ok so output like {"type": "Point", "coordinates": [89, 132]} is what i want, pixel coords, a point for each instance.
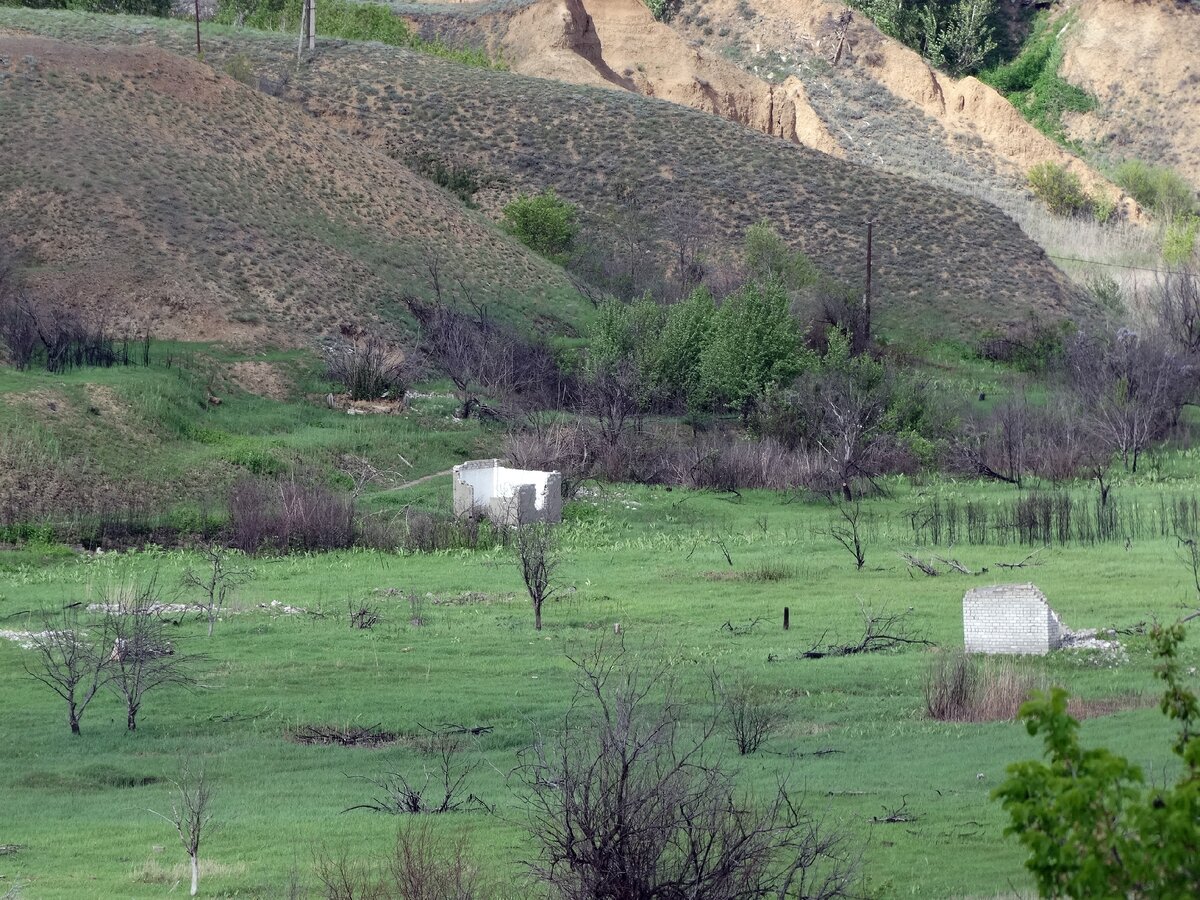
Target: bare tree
{"type": "Point", "coordinates": [71, 661]}
{"type": "Point", "coordinates": [847, 529]}
{"type": "Point", "coordinates": [537, 555]}
{"type": "Point", "coordinates": [142, 659]}
{"type": "Point", "coordinates": [1131, 390]}
{"type": "Point", "coordinates": [1175, 304]}
{"type": "Point", "coordinates": [397, 793]}
{"type": "Point", "coordinates": [624, 803]}
{"type": "Point", "coordinates": [190, 815]}
{"type": "Point", "coordinates": [217, 581]}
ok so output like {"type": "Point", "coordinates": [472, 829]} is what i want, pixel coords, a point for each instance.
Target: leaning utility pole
{"type": "Point", "coordinates": [199, 52]}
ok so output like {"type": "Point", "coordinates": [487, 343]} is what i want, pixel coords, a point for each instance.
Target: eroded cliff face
{"type": "Point", "coordinates": [1142, 62]}
{"type": "Point", "coordinates": [618, 44]}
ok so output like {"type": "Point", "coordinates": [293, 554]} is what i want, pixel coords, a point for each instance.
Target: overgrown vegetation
{"type": "Point", "coordinates": [955, 35]}
{"type": "Point", "coordinates": [343, 19]}
{"type": "Point", "coordinates": [1032, 84]}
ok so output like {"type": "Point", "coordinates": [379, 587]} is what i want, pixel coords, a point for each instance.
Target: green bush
{"type": "Point", "coordinates": [1091, 826]}
{"type": "Point", "coordinates": [1059, 188]}
{"type": "Point", "coordinates": [663, 10]}
{"type": "Point", "coordinates": [767, 256]}
{"type": "Point", "coordinates": [545, 223]}
{"type": "Point", "coordinates": [1179, 242]}
{"type": "Point", "coordinates": [1158, 189]}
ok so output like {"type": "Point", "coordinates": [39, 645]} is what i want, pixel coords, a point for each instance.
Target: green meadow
{"type": "Point", "coordinates": [697, 581]}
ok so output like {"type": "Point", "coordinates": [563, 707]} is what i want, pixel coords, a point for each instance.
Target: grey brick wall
{"type": "Point", "coordinates": [1009, 618]}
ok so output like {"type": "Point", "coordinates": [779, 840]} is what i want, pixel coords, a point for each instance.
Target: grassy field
{"type": "Point", "coordinates": [856, 737]}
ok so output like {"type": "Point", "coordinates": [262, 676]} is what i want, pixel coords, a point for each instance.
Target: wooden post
{"type": "Point", "coordinates": [198, 51]}
{"type": "Point", "coordinates": [312, 23]}
{"type": "Point", "coordinates": [787, 617]}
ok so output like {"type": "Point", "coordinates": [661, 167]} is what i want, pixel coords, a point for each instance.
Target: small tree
{"type": "Point", "coordinates": [190, 815]}
{"type": "Point", "coordinates": [847, 529]}
{"type": "Point", "coordinates": [537, 555]}
{"type": "Point", "coordinates": [142, 658]}
{"type": "Point", "coordinates": [1091, 827]}
{"type": "Point", "coordinates": [71, 661]}
{"type": "Point", "coordinates": [545, 223]}
{"type": "Point", "coordinates": [216, 581]}
{"type": "Point", "coordinates": [369, 371]}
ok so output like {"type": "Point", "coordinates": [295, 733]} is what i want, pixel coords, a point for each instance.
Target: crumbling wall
{"type": "Point", "coordinates": [1010, 618]}
{"type": "Point", "coordinates": [507, 496]}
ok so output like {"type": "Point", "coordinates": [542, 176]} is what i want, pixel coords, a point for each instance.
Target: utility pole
{"type": "Point", "coordinates": [199, 52]}
{"type": "Point", "coordinates": [863, 339]}
{"type": "Point", "coordinates": [308, 27]}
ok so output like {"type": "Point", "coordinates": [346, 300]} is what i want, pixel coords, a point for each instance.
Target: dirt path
{"type": "Point", "coordinates": [416, 481]}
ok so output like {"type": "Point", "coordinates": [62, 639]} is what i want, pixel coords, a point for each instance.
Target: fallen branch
{"type": "Point", "coordinates": [882, 631]}
{"type": "Point", "coordinates": [915, 563]}
{"type": "Point", "coordinates": [1027, 561]}
{"type": "Point", "coordinates": [958, 567]}
{"type": "Point", "coordinates": [895, 816]}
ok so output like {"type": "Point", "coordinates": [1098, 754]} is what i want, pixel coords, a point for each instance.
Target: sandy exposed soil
{"type": "Point", "coordinates": [1142, 61]}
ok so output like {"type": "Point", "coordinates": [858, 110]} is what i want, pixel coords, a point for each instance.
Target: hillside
{"type": "Point", "coordinates": [939, 256]}
{"type": "Point", "coordinates": [811, 71]}
{"type": "Point", "coordinates": [169, 196]}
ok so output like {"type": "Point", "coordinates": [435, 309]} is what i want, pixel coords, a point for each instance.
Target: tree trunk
{"type": "Point", "coordinates": [211, 618]}
{"type": "Point", "coordinates": [537, 616]}
{"type": "Point", "coordinates": [195, 875]}
{"type": "Point", "coordinates": [73, 718]}
{"type": "Point", "coordinates": [131, 718]}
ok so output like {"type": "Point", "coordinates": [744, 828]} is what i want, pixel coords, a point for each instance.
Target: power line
{"type": "Point", "coordinates": [1096, 262]}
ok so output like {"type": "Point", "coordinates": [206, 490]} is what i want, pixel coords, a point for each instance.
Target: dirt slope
{"type": "Point", "coordinates": [845, 64]}
{"type": "Point", "coordinates": [145, 184]}
{"type": "Point", "coordinates": [1142, 61]}
{"type": "Point", "coordinates": [618, 43]}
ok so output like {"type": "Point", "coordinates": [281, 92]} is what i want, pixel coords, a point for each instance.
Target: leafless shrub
{"type": "Point", "coordinates": [1174, 301]}
{"type": "Point", "coordinates": [425, 531]}
{"type": "Point", "coordinates": [749, 717]}
{"type": "Point", "coordinates": [552, 445]}
{"type": "Point", "coordinates": [343, 735]}
{"type": "Point", "coordinates": [538, 556]}
{"type": "Point", "coordinates": [726, 463]}
{"type": "Point", "coordinates": [288, 515]}
{"type": "Point", "coordinates": [372, 370]}
{"type": "Point", "coordinates": [441, 790]}
{"type": "Point", "coordinates": [70, 659]}
{"type": "Point", "coordinates": [848, 529]}
{"type": "Point", "coordinates": [422, 867]}
{"type": "Point", "coordinates": [623, 803]}
{"type": "Point", "coordinates": [362, 616]}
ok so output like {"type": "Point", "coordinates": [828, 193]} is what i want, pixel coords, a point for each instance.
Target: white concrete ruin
{"type": "Point", "coordinates": [1010, 618]}
{"type": "Point", "coordinates": [483, 487]}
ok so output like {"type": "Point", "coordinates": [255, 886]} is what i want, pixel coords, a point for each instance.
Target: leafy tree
{"type": "Point", "coordinates": [1091, 826]}
{"type": "Point", "coordinates": [767, 256]}
{"type": "Point", "coordinates": [545, 223]}
{"type": "Point", "coordinates": [681, 345]}
{"type": "Point", "coordinates": [955, 35]}
{"type": "Point", "coordinates": [754, 342]}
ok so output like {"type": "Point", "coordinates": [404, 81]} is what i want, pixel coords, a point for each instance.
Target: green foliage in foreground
{"type": "Point", "coordinates": [343, 19]}
{"type": "Point", "coordinates": [1032, 84]}
{"type": "Point", "coordinates": [1091, 826]}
